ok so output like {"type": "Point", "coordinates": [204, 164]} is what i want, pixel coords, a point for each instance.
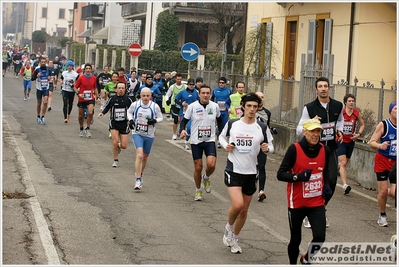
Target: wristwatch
{"type": "Point", "coordinates": [295, 177]}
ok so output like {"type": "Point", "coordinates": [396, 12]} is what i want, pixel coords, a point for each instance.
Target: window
{"type": "Point", "coordinates": [319, 42]}
{"type": "Point", "coordinates": [61, 13]}
{"type": "Point", "coordinates": [44, 12]}
{"type": "Point", "coordinates": [265, 53]}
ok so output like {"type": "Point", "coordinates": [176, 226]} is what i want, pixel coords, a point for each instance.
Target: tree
{"type": "Point", "coordinates": [167, 32]}
{"type": "Point", "coordinates": [230, 19]}
{"type": "Point", "coordinates": [39, 36]}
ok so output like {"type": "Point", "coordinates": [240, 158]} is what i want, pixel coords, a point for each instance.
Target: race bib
{"type": "Point", "coordinates": [238, 110]}
{"type": "Point", "coordinates": [204, 132]}
{"type": "Point", "coordinates": [392, 148]}
{"type": "Point", "coordinates": [17, 61]}
{"type": "Point", "coordinates": [328, 132]}
{"type": "Point", "coordinates": [221, 105]}
{"type": "Point", "coordinates": [141, 127]}
{"type": "Point", "coordinates": [313, 187]}
{"type": "Point", "coordinates": [348, 127]}
{"type": "Point", "coordinates": [87, 95]}
{"type": "Point", "coordinates": [244, 143]}
{"type": "Point", "coordinates": [44, 82]}
{"type": "Point", "coordinates": [120, 114]}
{"type": "Point", "coordinates": [105, 81]}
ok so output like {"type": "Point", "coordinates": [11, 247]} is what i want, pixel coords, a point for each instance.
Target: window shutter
{"type": "Point", "coordinates": [327, 42]}
{"type": "Point", "coordinates": [268, 49]}
{"type": "Point", "coordinates": [311, 43]}
{"type": "Point", "coordinates": [258, 44]}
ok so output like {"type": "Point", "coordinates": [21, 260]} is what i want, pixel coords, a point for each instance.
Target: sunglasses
{"type": "Point", "coordinates": [222, 82]}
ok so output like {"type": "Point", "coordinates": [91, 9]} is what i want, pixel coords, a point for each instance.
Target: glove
{"type": "Point", "coordinates": [131, 124]}
{"type": "Point", "coordinates": [273, 131]}
{"type": "Point", "coordinates": [327, 192]}
{"type": "Point", "coordinates": [305, 175]}
{"type": "Point", "coordinates": [168, 102]}
{"type": "Point", "coordinates": [151, 121]}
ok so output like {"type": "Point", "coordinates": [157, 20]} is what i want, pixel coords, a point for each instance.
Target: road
{"type": "Point", "coordinates": [65, 204]}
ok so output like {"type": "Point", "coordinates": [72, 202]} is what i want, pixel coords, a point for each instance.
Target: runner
{"type": "Point", "coordinates": [345, 148]}
{"type": "Point", "coordinates": [52, 80]}
{"type": "Point", "coordinates": [203, 114]}
{"type": "Point", "coordinates": [67, 81]}
{"type": "Point", "coordinates": [143, 115]}
{"type": "Point", "coordinates": [41, 76]}
{"type": "Point", "coordinates": [242, 138]}
{"type": "Point", "coordinates": [86, 90]}
{"type": "Point", "coordinates": [26, 73]}
{"type": "Point", "coordinates": [384, 139]}
{"type": "Point", "coordinates": [171, 94]}
{"type": "Point", "coordinates": [118, 104]}
{"type": "Point", "coordinates": [305, 169]}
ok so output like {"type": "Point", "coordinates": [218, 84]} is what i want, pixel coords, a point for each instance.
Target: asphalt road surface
{"type": "Point", "coordinates": [63, 203]}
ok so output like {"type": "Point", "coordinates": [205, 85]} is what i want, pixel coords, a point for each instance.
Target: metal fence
{"type": "Point", "coordinates": [286, 98]}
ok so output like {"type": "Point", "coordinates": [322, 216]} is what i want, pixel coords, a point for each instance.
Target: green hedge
{"type": "Point", "coordinates": [156, 59]}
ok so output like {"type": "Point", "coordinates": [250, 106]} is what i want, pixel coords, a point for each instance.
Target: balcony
{"type": "Point", "coordinates": [134, 11]}
{"type": "Point", "coordinates": [198, 11]}
{"type": "Point", "coordinates": [91, 12]}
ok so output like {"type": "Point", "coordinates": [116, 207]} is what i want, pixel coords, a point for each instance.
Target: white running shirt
{"type": "Point", "coordinates": [139, 112]}
{"type": "Point", "coordinates": [203, 121]}
{"type": "Point", "coordinates": [247, 139]}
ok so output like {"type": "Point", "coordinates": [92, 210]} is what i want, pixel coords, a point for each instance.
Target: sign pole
{"type": "Point", "coordinates": [188, 72]}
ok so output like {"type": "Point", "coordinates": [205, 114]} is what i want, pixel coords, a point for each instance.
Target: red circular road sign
{"type": "Point", "coordinates": [134, 49]}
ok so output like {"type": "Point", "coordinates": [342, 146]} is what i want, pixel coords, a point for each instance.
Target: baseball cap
{"type": "Point", "coordinates": [311, 124]}
{"type": "Point", "coordinates": [148, 76]}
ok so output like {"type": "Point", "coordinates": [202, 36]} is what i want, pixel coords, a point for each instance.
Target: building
{"type": "Point", "coordinates": [362, 36]}
{"type": "Point", "coordinates": [103, 23]}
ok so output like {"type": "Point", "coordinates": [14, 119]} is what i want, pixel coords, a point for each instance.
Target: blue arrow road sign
{"type": "Point", "coordinates": [190, 51]}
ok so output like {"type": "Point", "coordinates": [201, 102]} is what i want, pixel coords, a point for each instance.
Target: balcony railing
{"type": "Point", "coordinates": [91, 12]}
{"type": "Point", "coordinates": [132, 9]}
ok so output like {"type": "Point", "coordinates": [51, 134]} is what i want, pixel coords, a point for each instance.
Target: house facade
{"type": "Point", "coordinates": [361, 36]}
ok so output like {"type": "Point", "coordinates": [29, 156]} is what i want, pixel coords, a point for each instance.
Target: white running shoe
{"type": "Point", "coordinates": [186, 146]}
{"type": "Point", "coordinates": [115, 164]}
{"type": "Point", "coordinates": [174, 137]}
{"type": "Point", "coordinates": [139, 184]}
{"type": "Point", "coordinates": [228, 236]}
{"type": "Point", "coordinates": [347, 189]}
{"type": "Point", "coordinates": [235, 248]}
{"type": "Point", "coordinates": [207, 184]}
{"type": "Point", "coordinates": [198, 196]}
{"type": "Point", "coordinates": [306, 223]}
{"type": "Point", "coordinates": [261, 196]}
{"type": "Point", "coordinates": [80, 133]}
{"type": "Point", "coordinates": [88, 133]}
{"type": "Point", "coordinates": [382, 221]}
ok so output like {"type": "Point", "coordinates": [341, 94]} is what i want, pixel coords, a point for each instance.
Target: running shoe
{"type": "Point", "coordinates": [38, 120]}
{"type": "Point", "coordinates": [88, 133]}
{"type": "Point", "coordinates": [228, 236]}
{"type": "Point", "coordinates": [235, 248]}
{"type": "Point", "coordinates": [327, 222]}
{"type": "Point", "coordinates": [219, 145]}
{"type": "Point", "coordinates": [382, 221]}
{"type": "Point", "coordinates": [25, 98]}
{"type": "Point", "coordinates": [261, 196]}
{"type": "Point", "coordinates": [347, 189]}
{"type": "Point", "coordinates": [207, 184]}
{"type": "Point", "coordinates": [186, 146]}
{"type": "Point", "coordinates": [302, 260]}
{"type": "Point", "coordinates": [43, 121]}
{"type": "Point", "coordinates": [115, 164]}
{"type": "Point", "coordinates": [49, 109]}
{"type": "Point", "coordinates": [306, 223]}
{"type": "Point", "coordinates": [139, 184]}
{"type": "Point", "coordinates": [80, 133]}
{"type": "Point", "coordinates": [28, 96]}
{"type": "Point", "coordinates": [198, 195]}
{"type": "Point", "coordinates": [174, 137]}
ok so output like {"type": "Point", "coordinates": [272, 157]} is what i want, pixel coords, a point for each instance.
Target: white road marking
{"type": "Point", "coordinates": [42, 226]}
